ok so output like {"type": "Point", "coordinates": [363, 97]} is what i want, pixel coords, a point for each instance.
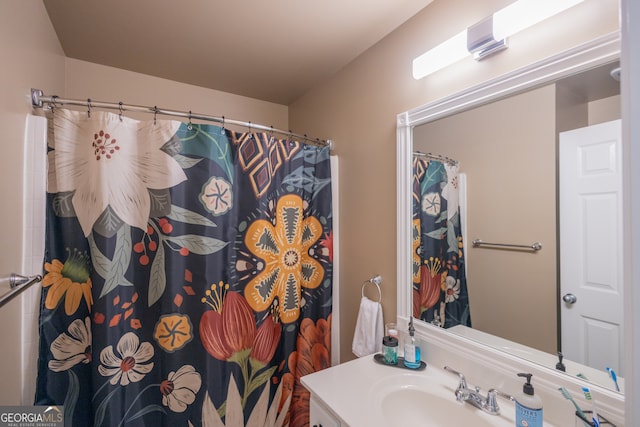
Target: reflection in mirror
{"type": "Point", "coordinates": [510, 173]}
{"type": "Point", "coordinates": [439, 281]}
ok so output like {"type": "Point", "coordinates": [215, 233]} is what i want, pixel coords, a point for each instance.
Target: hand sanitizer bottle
{"type": "Point", "coordinates": [528, 406]}
{"type": "Point", "coordinates": [411, 350]}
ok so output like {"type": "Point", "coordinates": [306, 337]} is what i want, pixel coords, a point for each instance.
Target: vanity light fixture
{"type": "Point", "coordinates": [489, 35]}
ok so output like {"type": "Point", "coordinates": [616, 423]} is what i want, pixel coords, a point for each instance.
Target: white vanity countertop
{"type": "Point", "coordinates": [355, 390]}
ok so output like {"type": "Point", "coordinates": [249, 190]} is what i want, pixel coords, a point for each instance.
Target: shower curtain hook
{"type": "Point", "coordinates": [222, 131]}
{"type": "Point", "coordinates": [53, 104]}
{"type": "Point", "coordinates": [155, 114]}
{"type": "Point", "coordinates": [120, 108]}
{"type": "Point", "coordinates": [89, 107]}
{"type": "Point", "coordinates": [190, 126]}
{"type": "Point", "coordinates": [271, 133]}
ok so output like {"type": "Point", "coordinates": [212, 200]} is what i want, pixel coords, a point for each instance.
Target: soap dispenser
{"type": "Point", "coordinates": [528, 406]}
{"type": "Point", "coordinates": [411, 350]}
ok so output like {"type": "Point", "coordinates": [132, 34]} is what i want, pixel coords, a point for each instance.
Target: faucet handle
{"type": "Point", "coordinates": [492, 400]}
{"type": "Point", "coordinates": [463, 381]}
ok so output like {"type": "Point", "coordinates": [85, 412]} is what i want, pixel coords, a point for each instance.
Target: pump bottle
{"type": "Point", "coordinates": [528, 406]}
{"type": "Point", "coordinates": [411, 350]}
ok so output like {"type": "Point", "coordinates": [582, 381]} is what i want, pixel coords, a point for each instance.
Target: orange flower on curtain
{"type": "Point", "coordinates": [230, 327]}
{"type": "Point", "coordinates": [285, 249]}
{"type": "Point", "coordinates": [432, 281]}
{"type": "Point", "coordinates": [312, 355]}
{"type": "Point", "coordinates": [229, 333]}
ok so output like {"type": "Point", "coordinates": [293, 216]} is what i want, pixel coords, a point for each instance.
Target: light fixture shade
{"type": "Point", "coordinates": [526, 13]}
{"type": "Point", "coordinates": [482, 41]}
{"type": "Point", "coordinates": [441, 56]}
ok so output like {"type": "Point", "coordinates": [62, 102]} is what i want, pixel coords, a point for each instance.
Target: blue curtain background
{"type": "Point", "coordinates": [203, 310]}
{"type": "Point", "coordinates": [439, 280]}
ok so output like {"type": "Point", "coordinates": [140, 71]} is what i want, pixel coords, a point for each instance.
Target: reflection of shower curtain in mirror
{"type": "Point", "coordinates": [439, 280]}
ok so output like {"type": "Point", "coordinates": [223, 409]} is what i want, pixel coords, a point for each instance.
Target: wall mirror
{"type": "Point", "coordinates": [505, 135]}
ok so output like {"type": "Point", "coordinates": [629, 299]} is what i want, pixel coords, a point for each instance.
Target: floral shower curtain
{"type": "Point", "coordinates": [439, 279]}
{"type": "Point", "coordinates": [188, 274]}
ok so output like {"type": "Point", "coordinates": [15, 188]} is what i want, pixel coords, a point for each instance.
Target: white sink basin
{"type": "Point", "coordinates": [425, 399]}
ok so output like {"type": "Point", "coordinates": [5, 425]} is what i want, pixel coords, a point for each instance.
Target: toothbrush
{"type": "Point", "coordinates": [568, 396]}
{"type": "Point", "coordinates": [582, 376]}
{"type": "Point", "coordinates": [614, 377]}
{"type": "Point", "coordinates": [595, 418]}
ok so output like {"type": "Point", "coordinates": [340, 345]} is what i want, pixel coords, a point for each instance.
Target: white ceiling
{"type": "Point", "coordinates": [271, 50]}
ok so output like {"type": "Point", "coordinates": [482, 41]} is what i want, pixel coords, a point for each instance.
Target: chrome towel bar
{"type": "Point", "coordinates": [535, 247]}
{"type": "Point", "coordinates": [18, 284]}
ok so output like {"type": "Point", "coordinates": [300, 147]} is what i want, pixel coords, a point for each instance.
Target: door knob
{"type": "Point", "coordinates": [569, 298]}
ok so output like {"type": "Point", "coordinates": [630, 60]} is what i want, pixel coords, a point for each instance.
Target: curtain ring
{"type": "Point", "coordinates": [89, 107]}
{"type": "Point", "coordinates": [53, 104]}
{"type": "Point", "coordinates": [190, 125]}
{"type": "Point", "coordinates": [120, 108]}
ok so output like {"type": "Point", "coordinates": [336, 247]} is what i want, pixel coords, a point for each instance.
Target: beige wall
{"type": "Point", "coordinates": [357, 108]}
{"type": "Point", "coordinates": [101, 83]}
{"type": "Point", "coordinates": [507, 149]}
{"type": "Point", "coordinates": [31, 56]}
{"type": "Point", "coordinates": [604, 110]}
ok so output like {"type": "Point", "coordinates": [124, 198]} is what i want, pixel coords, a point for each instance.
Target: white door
{"type": "Point", "coordinates": [591, 246]}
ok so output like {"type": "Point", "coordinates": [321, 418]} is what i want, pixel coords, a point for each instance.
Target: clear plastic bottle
{"type": "Point", "coordinates": [411, 350]}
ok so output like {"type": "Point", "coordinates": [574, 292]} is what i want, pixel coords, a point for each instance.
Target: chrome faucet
{"type": "Point", "coordinates": [488, 404]}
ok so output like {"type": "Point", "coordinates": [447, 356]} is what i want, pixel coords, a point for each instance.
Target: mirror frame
{"type": "Point", "coordinates": [583, 57]}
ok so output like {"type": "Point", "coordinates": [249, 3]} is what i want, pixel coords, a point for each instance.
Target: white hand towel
{"type": "Point", "coordinates": [367, 338]}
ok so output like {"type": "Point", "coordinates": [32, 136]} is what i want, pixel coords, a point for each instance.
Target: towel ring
{"type": "Point", "coordinates": [375, 281]}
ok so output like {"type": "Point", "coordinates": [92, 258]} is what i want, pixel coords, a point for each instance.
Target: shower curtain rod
{"type": "Point", "coordinates": [18, 284]}
{"type": "Point", "coordinates": [440, 157]}
{"type": "Point", "coordinates": [38, 99]}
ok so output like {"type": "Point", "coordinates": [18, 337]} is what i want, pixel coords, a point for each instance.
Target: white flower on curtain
{"type": "Point", "coordinates": [129, 365]}
{"type": "Point", "coordinates": [108, 160]}
{"type": "Point", "coordinates": [450, 190]}
{"type": "Point", "coordinates": [180, 388]}
{"type": "Point", "coordinates": [70, 349]}
{"type": "Point", "coordinates": [217, 196]}
{"type": "Point", "coordinates": [431, 204]}
{"type": "Point", "coordinates": [452, 292]}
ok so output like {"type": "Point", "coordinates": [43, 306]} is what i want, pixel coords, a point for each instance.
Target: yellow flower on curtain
{"type": "Point", "coordinates": [284, 247]}
{"type": "Point", "coordinates": [69, 280]}
{"type": "Point", "coordinates": [173, 332]}
{"type": "Point", "coordinates": [415, 246]}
